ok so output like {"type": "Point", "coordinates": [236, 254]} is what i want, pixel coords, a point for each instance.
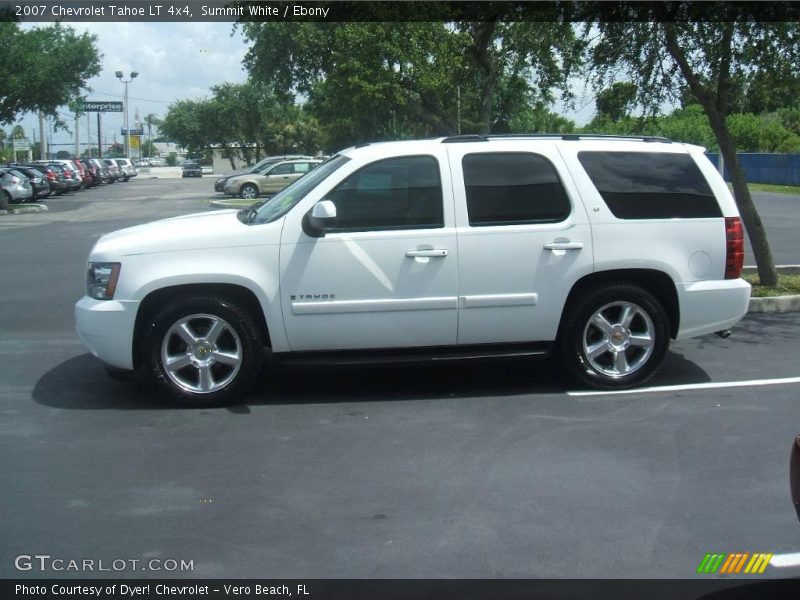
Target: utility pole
{"type": "Point", "coordinates": [77, 136]}
{"type": "Point", "coordinates": [43, 142]}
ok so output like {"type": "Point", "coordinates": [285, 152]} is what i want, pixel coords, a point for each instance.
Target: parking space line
{"type": "Point", "coordinates": [785, 560]}
{"type": "Point", "coordinates": [690, 386]}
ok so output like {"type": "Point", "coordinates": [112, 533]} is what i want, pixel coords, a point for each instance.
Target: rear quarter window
{"type": "Point", "coordinates": [650, 185]}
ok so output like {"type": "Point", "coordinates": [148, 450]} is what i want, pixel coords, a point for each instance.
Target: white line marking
{"type": "Point", "coordinates": [691, 386]}
{"type": "Point", "coordinates": [786, 560]}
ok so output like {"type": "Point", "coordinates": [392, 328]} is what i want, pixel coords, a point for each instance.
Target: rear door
{"type": "Point", "coordinates": [523, 240]}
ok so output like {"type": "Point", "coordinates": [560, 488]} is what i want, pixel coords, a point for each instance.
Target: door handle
{"type": "Point", "coordinates": [564, 245]}
{"type": "Point", "coordinates": [427, 253]}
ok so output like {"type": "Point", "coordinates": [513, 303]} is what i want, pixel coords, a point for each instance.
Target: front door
{"type": "Point", "coordinates": [386, 276]}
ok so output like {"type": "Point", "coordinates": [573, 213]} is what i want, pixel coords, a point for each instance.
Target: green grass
{"type": "Point", "coordinates": [787, 285]}
{"type": "Point", "coordinates": [768, 187]}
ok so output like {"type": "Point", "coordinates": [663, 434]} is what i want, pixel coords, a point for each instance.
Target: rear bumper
{"type": "Point", "coordinates": [709, 306]}
{"type": "Point", "coordinates": [106, 328]}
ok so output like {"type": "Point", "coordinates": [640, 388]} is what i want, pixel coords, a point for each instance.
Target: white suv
{"type": "Point", "coordinates": [599, 248]}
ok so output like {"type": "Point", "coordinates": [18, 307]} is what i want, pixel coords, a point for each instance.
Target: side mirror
{"type": "Point", "coordinates": [322, 218]}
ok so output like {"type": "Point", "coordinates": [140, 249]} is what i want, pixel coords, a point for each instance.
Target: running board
{"type": "Point", "coordinates": [415, 355]}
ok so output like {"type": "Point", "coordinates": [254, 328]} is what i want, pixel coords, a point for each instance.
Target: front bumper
{"type": "Point", "coordinates": [219, 186]}
{"type": "Point", "coordinates": [106, 328]}
{"type": "Point", "coordinates": [709, 306]}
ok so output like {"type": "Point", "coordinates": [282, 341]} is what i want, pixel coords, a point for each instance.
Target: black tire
{"type": "Point", "coordinates": [5, 200]}
{"type": "Point", "coordinates": [240, 337]}
{"type": "Point", "coordinates": [248, 188]}
{"type": "Point", "coordinates": [125, 179]}
{"type": "Point", "coordinates": [625, 355]}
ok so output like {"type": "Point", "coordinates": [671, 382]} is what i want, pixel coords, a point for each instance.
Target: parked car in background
{"type": "Point", "coordinates": [16, 186]}
{"type": "Point", "coordinates": [271, 179]}
{"type": "Point", "coordinates": [155, 161]}
{"type": "Point", "coordinates": [114, 172]}
{"type": "Point", "coordinates": [37, 179]}
{"type": "Point", "coordinates": [71, 181]}
{"type": "Point", "coordinates": [207, 169]}
{"type": "Point", "coordinates": [191, 169]}
{"type": "Point", "coordinates": [105, 176]}
{"type": "Point", "coordinates": [54, 176]}
{"type": "Point", "coordinates": [126, 168]}
{"type": "Point", "coordinates": [219, 184]}
{"type": "Point", "coordinates": [94, 171]}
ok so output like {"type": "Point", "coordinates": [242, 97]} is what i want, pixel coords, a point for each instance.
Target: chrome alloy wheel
{"type": "Point", "coordinates": [618, 339]}
{"type": "Point", "coordinates": [249, 192]}
{"type": "Point", "coordinates": [201, 353]}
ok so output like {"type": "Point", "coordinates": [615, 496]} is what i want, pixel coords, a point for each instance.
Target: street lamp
{"type": "Point", "coordinates": [133, 76]}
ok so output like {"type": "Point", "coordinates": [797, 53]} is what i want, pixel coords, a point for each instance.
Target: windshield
{"type": "Point", "coordinates": [280, 203]}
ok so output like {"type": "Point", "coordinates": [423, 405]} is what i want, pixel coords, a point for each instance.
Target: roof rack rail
{"type": "Point", "coordinates": [475, 137]}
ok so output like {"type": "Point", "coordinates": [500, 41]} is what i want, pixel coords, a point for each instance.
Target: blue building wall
{"type": "Point", "coordinates": [780, 169]}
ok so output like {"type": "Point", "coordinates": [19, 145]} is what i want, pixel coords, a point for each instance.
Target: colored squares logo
{"type": "Point", "coordinates": [734, 563]}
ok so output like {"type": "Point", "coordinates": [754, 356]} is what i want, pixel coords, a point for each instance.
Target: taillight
{"type": "Point", "coordinates": [15, 180]}
{"type": "Point", "coordinates": [734, 255]}
{"type": "Point", "coordinates": [50, 175]}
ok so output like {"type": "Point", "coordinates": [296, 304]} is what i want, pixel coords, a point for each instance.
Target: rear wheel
{"type": "Point", "coordinates": [204, 351]}
{"type": "Point", "coordinates": [615, 338]}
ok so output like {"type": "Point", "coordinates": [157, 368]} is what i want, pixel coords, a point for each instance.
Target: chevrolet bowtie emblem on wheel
{"type": "Point", "coordinates": [734, 563]}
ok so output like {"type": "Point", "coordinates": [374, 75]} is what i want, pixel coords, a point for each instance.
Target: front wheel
{"type": "Point", "coordinates": [615, 338]}
{"type": "Point", "coordinates": [249, 191]}
{"type": "Point", "coordinates": [204, 351]}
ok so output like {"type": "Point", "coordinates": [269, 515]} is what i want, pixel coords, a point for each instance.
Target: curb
{"type": "Point", "coordinates": [229, 203]}
{"type": "Point", "coordinates": [22, 209]}
{"type": "Point", "coordinates": [775, 304]}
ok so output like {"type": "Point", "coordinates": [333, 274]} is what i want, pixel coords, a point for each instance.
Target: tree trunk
{"type": "Point", "coordinates": [715, 106]}
{"type": "Point", "coordinates": [767, 274]}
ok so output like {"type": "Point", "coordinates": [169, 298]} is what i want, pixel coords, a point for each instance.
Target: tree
{"type": "Point", "coordinates": [616, 101]}
{"type": "Point", "coordinates": [150, 119]}
{"type": "Point", "coordinates": [43, 68]}
{"type": "Point", "coordinates": [666, 50]}
{"type": "Point", "coordinates": [370, 80]}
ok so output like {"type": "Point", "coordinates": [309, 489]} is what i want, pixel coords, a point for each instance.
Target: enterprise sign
{"type": "Point", "coordinates": [97, 106]}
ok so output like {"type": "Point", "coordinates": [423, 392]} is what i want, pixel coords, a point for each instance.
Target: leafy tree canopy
{"type": "Point", "coordinates": [43, 68]}
{"type": "Point", "coordinates": [371, 81]}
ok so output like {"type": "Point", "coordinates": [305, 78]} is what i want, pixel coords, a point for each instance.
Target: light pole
{"type": "Point", "coordinates": [133, 76]}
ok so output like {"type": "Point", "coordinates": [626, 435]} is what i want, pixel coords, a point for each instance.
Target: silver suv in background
{"type": "Point", "coordinates": [16, 187]}
{"type": "Point", "coordinates": [126, 167]}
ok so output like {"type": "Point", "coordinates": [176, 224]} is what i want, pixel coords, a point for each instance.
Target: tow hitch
{"type": "Point", "coordinates": [724, 333]}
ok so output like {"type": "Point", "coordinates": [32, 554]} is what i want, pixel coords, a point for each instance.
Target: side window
{"type": "Point", "coordinates": [284, 169]}
{"type": "Point", "coordinates": [301, 167]}
{"type": "Point", "coordinates": [510, 188]}
{"type": "Point", "coordinates": [397, 193]}
{"type": "Point", "coordinates": [650, 185]}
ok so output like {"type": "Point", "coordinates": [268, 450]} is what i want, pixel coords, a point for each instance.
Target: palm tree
{"type": "Point", "coordinates": [151, 120]}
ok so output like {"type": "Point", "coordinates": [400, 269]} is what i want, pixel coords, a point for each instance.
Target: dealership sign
{"type": "Point", "coordinates": [100, 106]}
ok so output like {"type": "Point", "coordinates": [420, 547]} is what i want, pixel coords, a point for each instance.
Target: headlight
{"type": "Point", "coordinates": [101, 280]}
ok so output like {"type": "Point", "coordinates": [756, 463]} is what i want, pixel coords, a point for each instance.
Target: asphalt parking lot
{"type": "Point", "coordinates": [488, 470]}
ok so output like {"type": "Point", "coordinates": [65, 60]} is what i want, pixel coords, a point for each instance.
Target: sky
{"type": "Point", "coordinates": [175, 61]}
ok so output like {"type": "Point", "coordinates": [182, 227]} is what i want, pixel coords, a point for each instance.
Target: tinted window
{"type": "Point", "coordinates": [398, 193]}
{"type": "Point", "coordinates": [649, 185]}
{"type": "Point", "coordinates": [284, 169]}
{"type": "Point", "coordinates": [511, 188]}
